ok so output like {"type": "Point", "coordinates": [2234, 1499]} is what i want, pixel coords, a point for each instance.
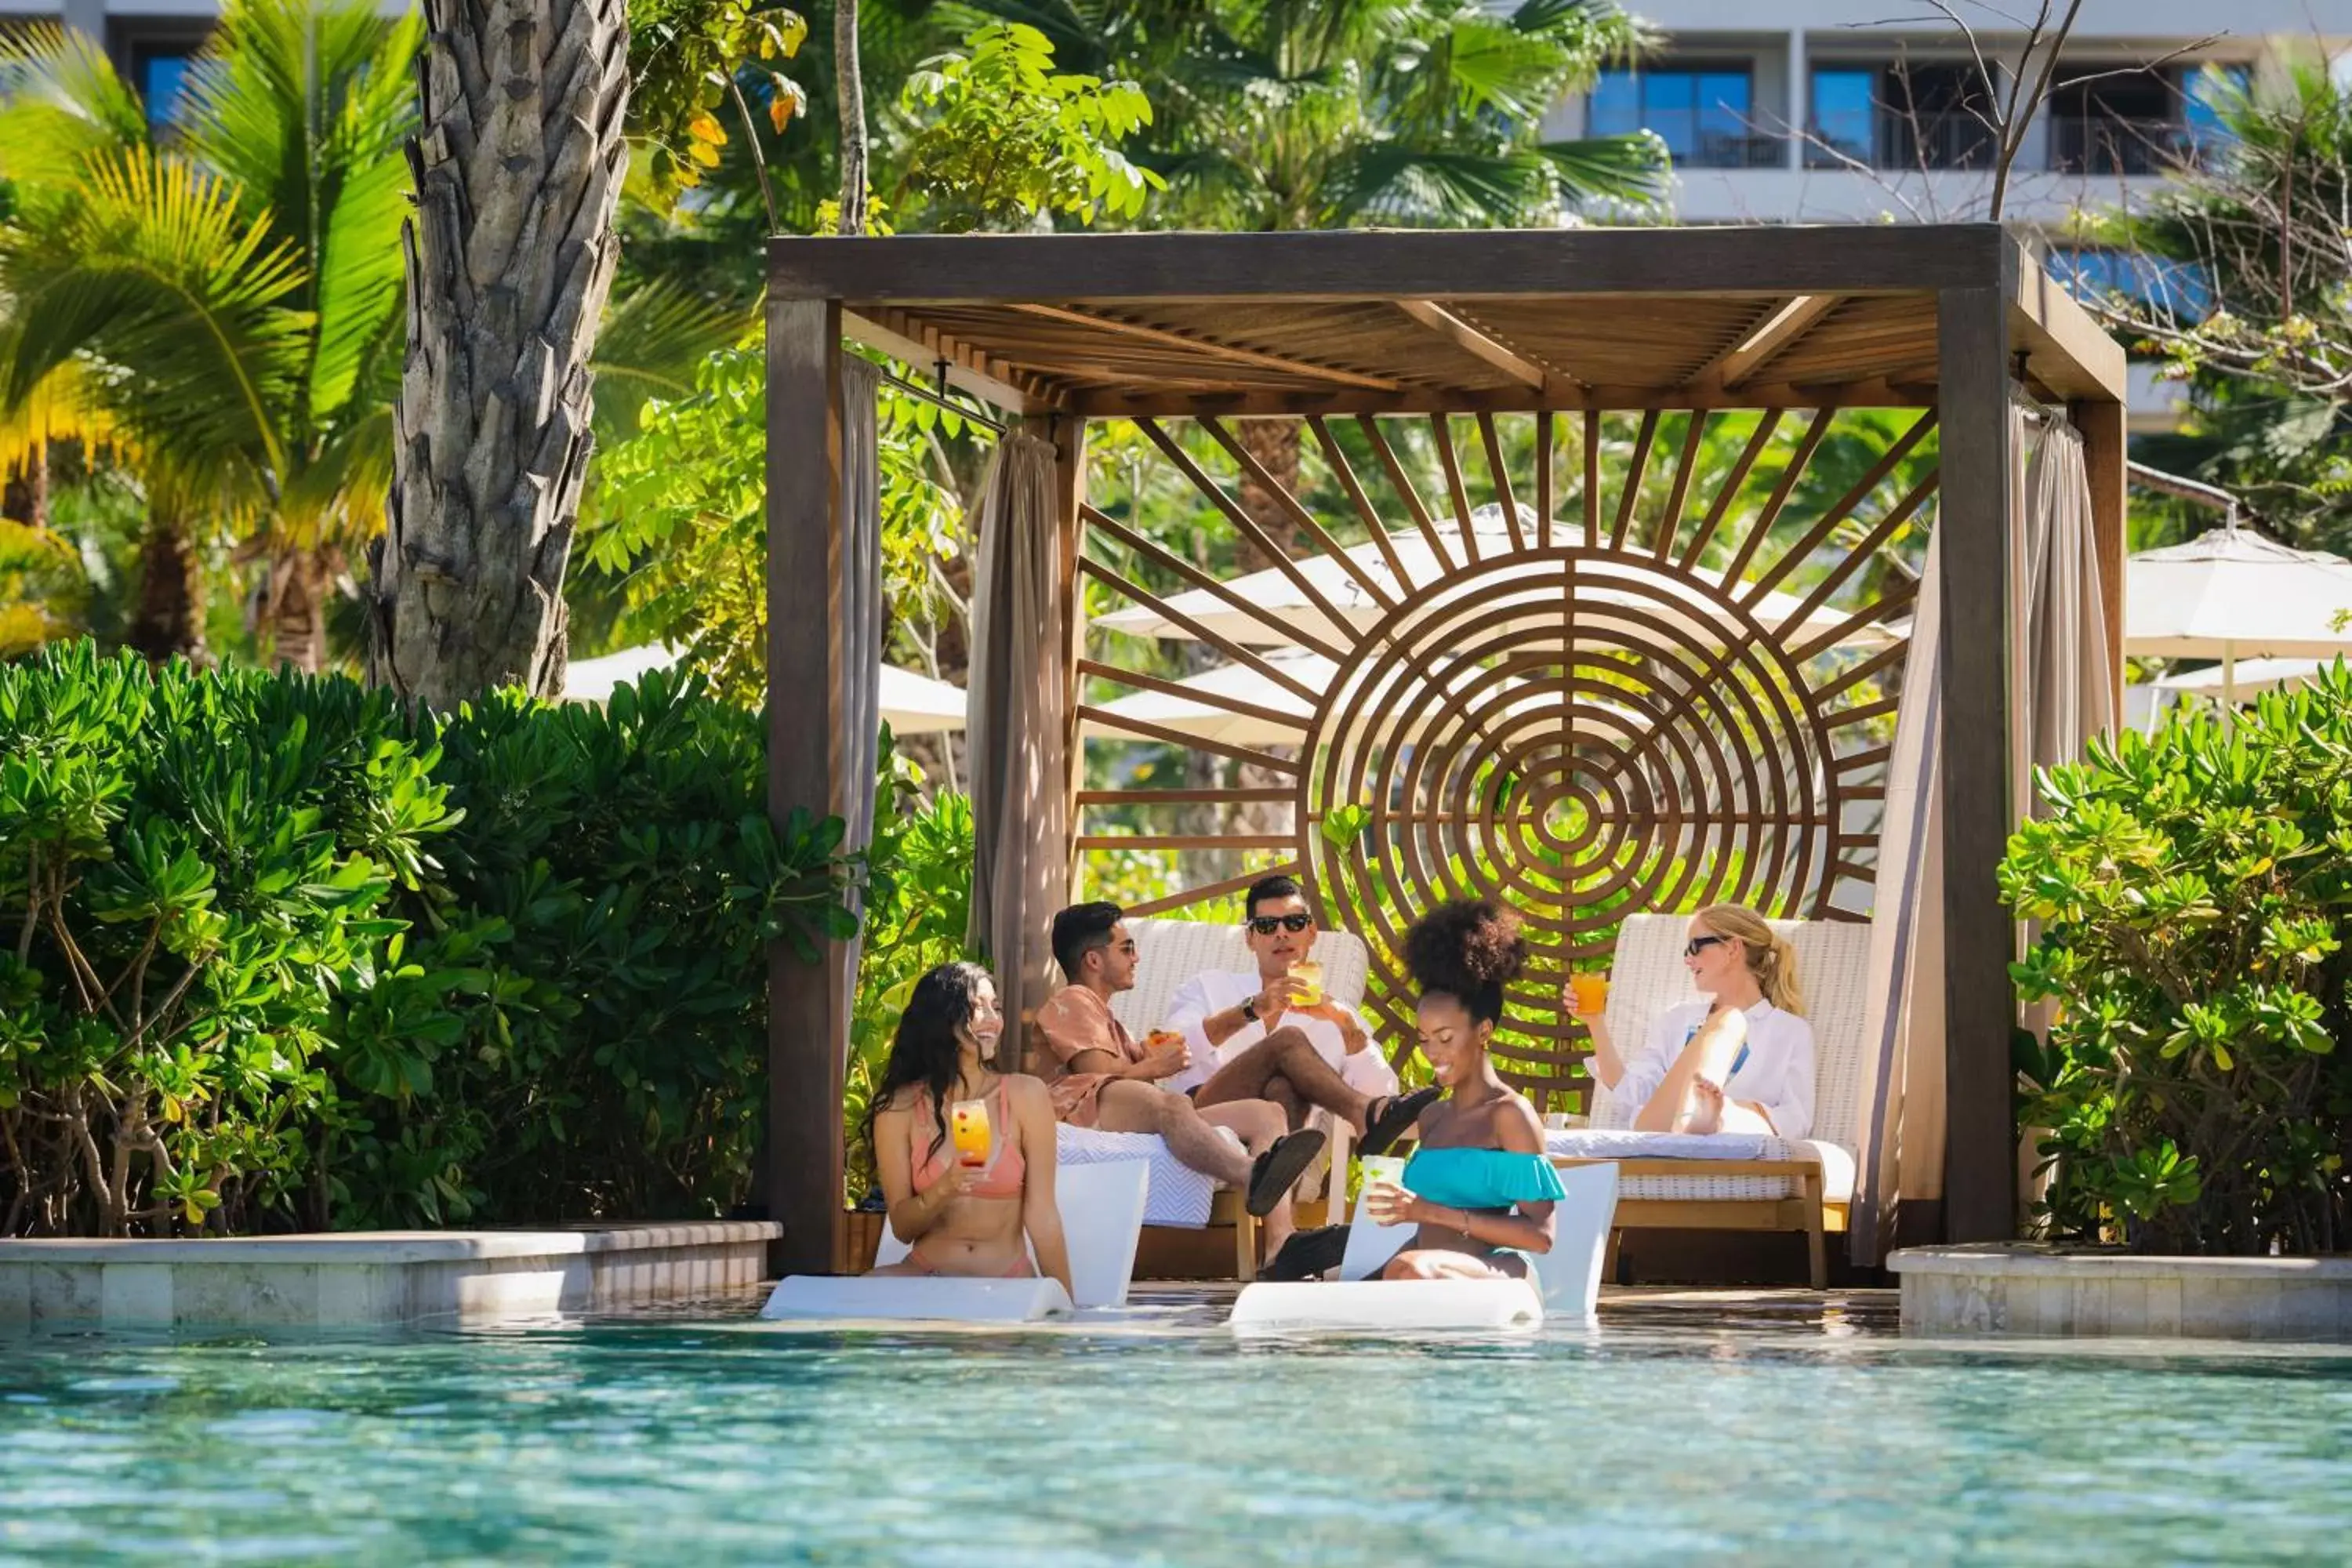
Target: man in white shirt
{"type": "Point", "coordinates": [1250, 1039]}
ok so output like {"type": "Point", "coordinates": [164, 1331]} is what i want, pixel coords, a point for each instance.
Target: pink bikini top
{"type": "Point", "coordinates": [1005, 1171]}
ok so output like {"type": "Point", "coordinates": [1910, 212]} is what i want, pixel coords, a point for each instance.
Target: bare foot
{"type": "Point", "coordinates": [1706, 1108]}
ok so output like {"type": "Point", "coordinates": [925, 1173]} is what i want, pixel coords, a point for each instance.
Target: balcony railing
{"type": "Point", "coordinates": [2115, 144]}
{"type": "Point", "coordinates": [1736, 152]}
{"type": "Point", "coordinates": [1948, 139]}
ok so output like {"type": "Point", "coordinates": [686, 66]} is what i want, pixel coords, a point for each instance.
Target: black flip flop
{"type": "Point", "coordinates": [1284, 1160]}
{"type": "Point", "coordinates": [1308, 1254]}
{"type": "Point", "coordinates": [1397, 1113]}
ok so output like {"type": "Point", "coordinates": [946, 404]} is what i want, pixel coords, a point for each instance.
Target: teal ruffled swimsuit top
{"type": "Point", "coordinates": [1482, 1178]}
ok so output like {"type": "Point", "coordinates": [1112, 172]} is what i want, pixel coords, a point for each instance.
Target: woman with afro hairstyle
{"type": "Point", "coordinates": [1479, 1188]}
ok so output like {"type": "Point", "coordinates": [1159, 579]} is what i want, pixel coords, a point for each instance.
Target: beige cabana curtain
{"type": "Point", "coordinates": [2062, 689]}
{"type": "Point", "coordinates": [1902, 1156]}
{"type": "Point", "coordinates": [1015, 740]}
{"type": "Point", "coordinates": [858, 699]}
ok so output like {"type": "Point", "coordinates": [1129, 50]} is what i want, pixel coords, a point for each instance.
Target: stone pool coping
{"type": "Point", "coordinates": [375, 1277]}
{"type": "Point", "coordinates": [2022, 1287]}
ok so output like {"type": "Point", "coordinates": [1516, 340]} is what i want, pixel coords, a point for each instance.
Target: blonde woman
{"type": "Point", "coordinates": [1738, 1060]}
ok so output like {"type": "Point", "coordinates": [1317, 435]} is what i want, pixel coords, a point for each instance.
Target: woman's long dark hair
{"type": "Point", "coordinates": [927, 1052]}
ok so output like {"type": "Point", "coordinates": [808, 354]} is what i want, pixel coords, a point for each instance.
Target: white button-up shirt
{"type": "Point", "coordinates": [1777, 1072]}
{"type": "Point", "coordinates": [1366, 1071]}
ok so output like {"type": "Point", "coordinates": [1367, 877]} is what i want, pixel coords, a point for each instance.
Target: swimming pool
{"type": "Point", "coordinates": [1810, 1435]}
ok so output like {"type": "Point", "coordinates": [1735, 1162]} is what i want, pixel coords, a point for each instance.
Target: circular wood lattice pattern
{"type": "Point", "coordinates": [1576, 732]}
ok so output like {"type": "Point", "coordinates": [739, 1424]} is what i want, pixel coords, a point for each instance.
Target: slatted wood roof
{"type": "Point", "coordinates": [1177, 324]}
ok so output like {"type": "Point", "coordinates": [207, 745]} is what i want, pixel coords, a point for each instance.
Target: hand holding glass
{"type": "Point", "coordinates": [967, 1129]}
{"type": "Point", "coordinates": [1590, 993]}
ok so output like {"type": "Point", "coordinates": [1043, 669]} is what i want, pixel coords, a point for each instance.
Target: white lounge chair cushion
{"type": "Point", "coordinates": [1102, 1221]}
{"type": "Point", "coordinates": [1398, 1305]}
{"type": "Point", "coordinates": [1601, 1143]}
{"type": "Point", "coordinates": [897, 1298]}
{"type": "Point", "coordinates": [1179, 1194]}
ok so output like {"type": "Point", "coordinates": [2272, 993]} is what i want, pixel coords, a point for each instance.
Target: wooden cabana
{"type": "Point", "coordinates": [1684, 689]}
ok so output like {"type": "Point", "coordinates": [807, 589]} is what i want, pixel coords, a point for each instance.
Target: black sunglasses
{"type": "Point", "coordinates": [1699, 944]}
{"type": "Point", "coordinates": [1267, 925]}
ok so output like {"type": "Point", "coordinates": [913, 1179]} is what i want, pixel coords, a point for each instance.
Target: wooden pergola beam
{"type": "Point", "coordinates": [1480, 345]}
{"type": "Point", "coordinates": [1256, 358]}
{"type": "Point", "coordinates": [1115, 403]}
{"type": "Point", "coordinates": [1766, 341]}
{"type": "Point", "coordinates": [1425, 264]}
{"type": "Point", "coordinates": [922, 347]}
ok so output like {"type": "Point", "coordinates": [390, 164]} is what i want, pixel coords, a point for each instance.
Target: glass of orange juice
{"type": "Point", "coordinates": [967, 1129]}
{"type": "Point", "coordinates": [1308, 973]}
{"type": "Point", "coordinates": [1592, 992]}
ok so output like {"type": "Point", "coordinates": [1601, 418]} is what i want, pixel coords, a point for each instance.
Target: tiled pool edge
{"type": "Point", "coordinates": [365, 1278]}
{"type": "Point", "coordinates": [2019, 1289]}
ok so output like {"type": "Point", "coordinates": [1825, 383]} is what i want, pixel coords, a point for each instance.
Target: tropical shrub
{"type": "Point", "coordinates": [275, 956]}
{"type": "Point", "coordinates": [195, 875]}
{"type": "Point", "coordinates": [593, 953]}
{"type": "Point", "coordinates": [2192, 890]}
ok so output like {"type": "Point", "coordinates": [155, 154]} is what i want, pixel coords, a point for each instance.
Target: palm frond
{"type": "Point", "coordinates": [1393, 182]}
{"type": "Point", "coordinates": [653, 339]}
{"type": "Point", "coordinates": [60, 101]}
{"type": "Point", "coordinates": [1610, 168]}
{"type": "Point", "coordinates": [68, 403]}
{"type": "Point", "coordinates": [157, 274]}
{"type": "Point", "coordinates": [305, 106]}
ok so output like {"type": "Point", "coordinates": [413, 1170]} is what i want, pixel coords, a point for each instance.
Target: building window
{"type": "Point", "coordinates": [1845, 115]}
{"type": "Point", "coordinates": [2139, 123]}
{"type": "Point", "coordinates": [155, 57]}
{"type": "Point", "coordinates": [1900, 116]}
{"type": "Point", "coordinates": [1703, 112]}
{"type": "Point", "coordinates": [2174, 288]}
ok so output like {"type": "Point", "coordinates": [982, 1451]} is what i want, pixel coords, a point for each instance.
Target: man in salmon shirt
{"type": "Point", "coordinates": [1101, 1076]}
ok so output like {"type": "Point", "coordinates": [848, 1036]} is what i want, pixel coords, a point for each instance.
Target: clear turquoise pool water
{"type": "Point", "coordinates": [1664, 1436]}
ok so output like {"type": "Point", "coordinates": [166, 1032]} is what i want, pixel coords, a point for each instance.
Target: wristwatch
{"type": "Point", "coordinates": [1249, 1009]}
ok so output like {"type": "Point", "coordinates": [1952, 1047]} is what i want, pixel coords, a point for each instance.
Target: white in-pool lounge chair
{"type": "Point", "coordinates": [1168, 953]}
{"type": "Point", "coordinates": [1764, 1183]}
{"type": "Point", "coordinates": [1566, 1282]}
{"type": "Point", "coordinates": [1102, 1218]}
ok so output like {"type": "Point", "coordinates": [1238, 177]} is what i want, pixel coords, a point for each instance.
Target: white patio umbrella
{"type": "Point", "coordinates": [594, 679]}
{"type": "Point", "coordinates": [913, 704]}
{"type": "Point", "coordinates": [2252, 677]}
{"type": "Point", "coordinates": [2233, 594]}
{"type": "Point", "coordinates": [1340, 583]}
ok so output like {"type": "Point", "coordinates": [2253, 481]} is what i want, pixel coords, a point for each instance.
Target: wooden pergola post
{"type": "Point", "coordinates": [1979, 1005]}
{"type": "Point", "coordinates": [808, 1004]}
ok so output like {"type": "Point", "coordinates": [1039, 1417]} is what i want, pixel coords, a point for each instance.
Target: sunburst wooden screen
{"type": "Point", "coordinates": [1646, 705]}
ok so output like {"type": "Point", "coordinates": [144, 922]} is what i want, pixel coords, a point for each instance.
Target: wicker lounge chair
{"type": "Point", "coordinates": [1775, 1184]}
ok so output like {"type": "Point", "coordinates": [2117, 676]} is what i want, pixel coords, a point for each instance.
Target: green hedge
{"type": "Point", "coordinates": [272, 956]}
{"type": "Point", "coordinates": [2193, 891]}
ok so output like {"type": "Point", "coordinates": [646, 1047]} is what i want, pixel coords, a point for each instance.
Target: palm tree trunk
{"type": "Point", "coordinates": [519, 165]}
{"type": "Point", "coordinates": [300, 583]}
{"type": "Point", "coordinates": [849, 87]}
{"type": "Point", "coordinates": [169, 620]}
{"type": "Point", "coordinates": [1274, 444]}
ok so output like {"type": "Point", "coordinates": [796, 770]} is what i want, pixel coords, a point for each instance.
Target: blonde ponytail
{"type": "Point", "coordinates": [1770, 957]}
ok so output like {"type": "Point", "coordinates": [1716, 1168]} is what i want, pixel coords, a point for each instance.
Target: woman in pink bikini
{"type": "Point", "coordinates": [964, 1218]}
